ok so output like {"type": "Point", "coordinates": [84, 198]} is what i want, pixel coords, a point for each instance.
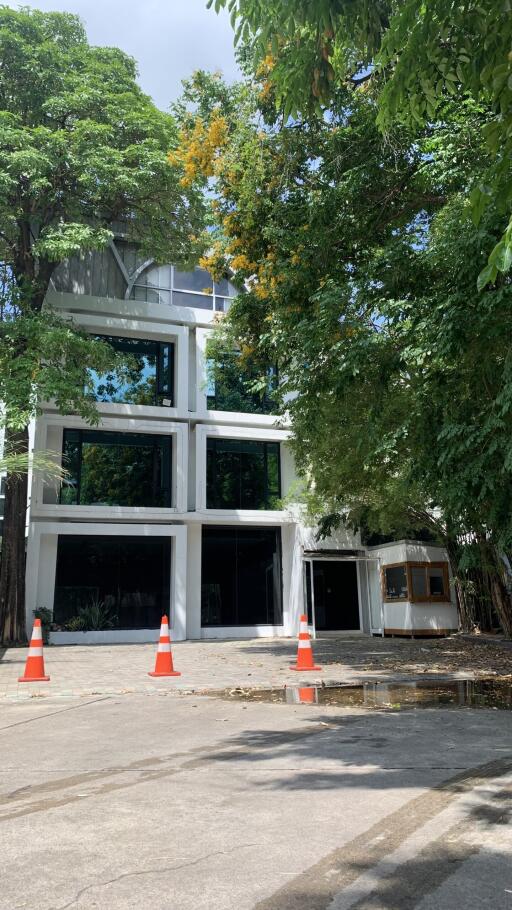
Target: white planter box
{"type": "Point", "coordinates": [108, 637]}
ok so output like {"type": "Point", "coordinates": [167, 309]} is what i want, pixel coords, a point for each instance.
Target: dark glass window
{"type": "Point", "coordinates": [116, 469]}
{"type": "Point", "coordinates": [241, 576]}
{"type": "Point", "coordinates": [429, 582]}
{"type": "Point", "coordinates": [395, 578]}
{"type": "Point", "coordinates": [126, 580]}
{"type": "Point", "coordinates": [148, 381]}
{"type": "Point", "coordinates": [242, 474]}
{"type": "Point", "coordinates": [231, 387]}
{"type": "Point", "coordinates": [419, 582]}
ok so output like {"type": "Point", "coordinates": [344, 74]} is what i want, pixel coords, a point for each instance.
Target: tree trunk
{"type": "Point", "coordinates": [12, 570]}
{"type": "Point", "coordinates": [502, 601]}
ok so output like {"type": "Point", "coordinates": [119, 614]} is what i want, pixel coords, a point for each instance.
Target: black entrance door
{"type": "Point", "coordinates": [336, 597]}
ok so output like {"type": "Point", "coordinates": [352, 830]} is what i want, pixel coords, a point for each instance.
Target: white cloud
{"type": "Point", "coordinates": [168, 38]}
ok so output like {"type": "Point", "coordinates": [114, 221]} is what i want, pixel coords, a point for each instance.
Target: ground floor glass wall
{"type": "Point", "coordinates": [111, 582]}
{"type": "Point", "coordinates": [241, 576]}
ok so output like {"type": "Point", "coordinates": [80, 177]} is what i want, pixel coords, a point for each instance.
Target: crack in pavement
{"type": "Point", "coordinates": [159, 871]}
{"type": "Point", "coordinates": [30, 720]}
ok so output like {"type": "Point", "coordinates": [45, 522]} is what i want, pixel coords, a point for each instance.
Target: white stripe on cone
{"type": "Point", "coordinates": [304, 644]}
{"type": "Point", "coordinates": [35, 652]}
{"type": "Point", "coordinates": [164, 646]}
{"type": "Point", "coordinates": [37, 633]}
{"type": "Point", "coordinates": [303, 627]}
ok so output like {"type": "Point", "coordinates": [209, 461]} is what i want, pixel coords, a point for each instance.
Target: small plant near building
{"type": "Point", "coordinates": [46, 617]}
{"type": "Point", "coordinates": [95, 616]}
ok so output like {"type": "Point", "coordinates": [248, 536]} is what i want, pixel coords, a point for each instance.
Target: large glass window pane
{"type": "Point", "coordinates": [419, 581]}
{"type": "Point", "coordinates": [157, 277]}
{"type": "Point", "coordinates": [149, 378]}
{"type": "Point", "coordinates": [199, 301]}
{"type": "Point", "coordinates": [150, 295]}
{"type": "Point", "coordinates": [241, 577]}
{"type": "Point", "coordinates": [436, 582]}
{"type": "Point", "coordinates": [198, 280]}
{"type": "Point", "coordinates": [112, 582]}
{"type": "Point", "coordinates": [395, 578]}
{"type": "Point", "coordinates": [226, 289]}
{"type": "Point", "coordinates": [116, 469]}
{"type": "Point", "coordinates": [230, 387]}
{"type": "Point", "coordinates": [219, 577]}
{"type": "Point", "coordinates": [242, 474]}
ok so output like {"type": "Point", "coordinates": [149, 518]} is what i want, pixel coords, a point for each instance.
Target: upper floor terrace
{"type": "Point", "coordinates": [121, 272]}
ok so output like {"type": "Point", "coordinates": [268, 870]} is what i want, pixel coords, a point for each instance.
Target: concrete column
{"type": "Point", "coordinates": [179, 584]}
{"type": "Point", "coordinates": [194, 581]}
{"type": "Point", "coordinates": [182, 378]}
{"type": "Point", "coordinates": [292, 578]}
{"type": "Point", "coordinates": [40, 572]}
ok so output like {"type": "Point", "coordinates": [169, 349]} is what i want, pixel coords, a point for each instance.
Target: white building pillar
{"type": "Point", "coordinates": [179, 584]}
{"type": "Point", "coordinates": [40, 573]}
{"type": "Point", "coordinates": [194, 581]}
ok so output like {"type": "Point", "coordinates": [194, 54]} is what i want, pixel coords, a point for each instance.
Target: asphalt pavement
{"type": "Point", "coordinates": [184, 802]}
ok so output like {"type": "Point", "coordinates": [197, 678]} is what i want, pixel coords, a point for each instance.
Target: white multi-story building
{"type": "Point", "coordinates": [176, 505]}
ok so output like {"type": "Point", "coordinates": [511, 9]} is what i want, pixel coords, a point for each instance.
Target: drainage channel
{"type": "Point", "coordinates": [469, 693]}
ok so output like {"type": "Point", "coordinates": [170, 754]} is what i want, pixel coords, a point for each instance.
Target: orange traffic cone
{"type": "Point", "coordinates": [34, 667]}
{"type": "Point", "coordinates": [307, 695]}
{"type": "Point", "coordinates": [163, 664]}
{"type": "Point", "coordinates": [304, 650]}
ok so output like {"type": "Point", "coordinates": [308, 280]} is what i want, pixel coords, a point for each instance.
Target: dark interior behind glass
{"type": "Point", "coordinates": [129, 576]}
{"type": "Point", "coordinates": [396, 582]}
{"type": "Point", "coordinates": [241, 576]}
{"type": "Point", "coordinates": [242, 474]}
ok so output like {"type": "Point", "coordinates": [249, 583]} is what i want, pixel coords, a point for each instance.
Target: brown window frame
{"type": "Point", "coordinates": [410, 597]}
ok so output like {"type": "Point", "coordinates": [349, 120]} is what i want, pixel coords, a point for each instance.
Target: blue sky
{"type": "Point", "coordinates": [168, 38]}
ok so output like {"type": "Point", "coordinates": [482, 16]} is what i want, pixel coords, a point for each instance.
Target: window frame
{"type": "Point", "coordinates": [264, 404]}
{"type": "Point", "coordinates": [212, 442]}
{"type": "Point", "coordinates": [154, 438]}
{"type": "Point", "coordinates": [237, 531]}
{"type": "Point", "coordinates": [410, 597]}
{"type": "Point", "coordinates": [162, 374]}
{"type": "Point", "coordinates": [213, 301]}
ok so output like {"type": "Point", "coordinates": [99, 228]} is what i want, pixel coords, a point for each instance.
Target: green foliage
{"type": "Point", "coordinates": [81, 147]}
{"type": "Point", "coordinates": [93, 617]}
{"type": "Point", "coordinates": [361, 259]}
{"type": "Point", "coordinates": [46, 617]}
{"type": "Point", "coordinates": [19, 463]}
{"type": "Point", "coordinates": [43, 357]}
{"type": "Point", "coordinates": [234, 383]}
{"type": "Point", "coordinates": [415, 55]}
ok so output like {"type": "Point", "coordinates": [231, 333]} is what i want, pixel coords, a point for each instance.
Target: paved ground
{"type": "Point", "coordinates": [122, 669]}
{"type": "Point", "coordinates": [196, 803]}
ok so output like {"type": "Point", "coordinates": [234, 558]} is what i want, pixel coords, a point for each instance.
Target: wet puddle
{"type": "Point", "coordinates": [482, 693]}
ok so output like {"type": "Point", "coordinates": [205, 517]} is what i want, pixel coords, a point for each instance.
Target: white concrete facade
{"type": "Point", "coordinates": [189, 423]}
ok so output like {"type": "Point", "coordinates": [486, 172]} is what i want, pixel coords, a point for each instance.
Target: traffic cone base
{"type": "Point", "coordinates": [172, 673]}
{"type": "Point", "coordinates": [163, 663]}
{"type": "Point", "coordinates": [304, 669]}
{"type": "Point", "coordinates": [34, 667]}
{"type": "Point", "coordinates": [33, 678]}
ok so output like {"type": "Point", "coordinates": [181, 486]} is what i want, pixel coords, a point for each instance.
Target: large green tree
{"type": "Point", "coordinates": [416, 53]}
{"type": "Point", "coordinates": [361, 259]}
{"type": "Point", "coordinates": [81, 147]}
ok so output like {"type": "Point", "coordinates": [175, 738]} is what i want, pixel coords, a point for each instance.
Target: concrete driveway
{"type": "Point", "coordinates": [153, 802]}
